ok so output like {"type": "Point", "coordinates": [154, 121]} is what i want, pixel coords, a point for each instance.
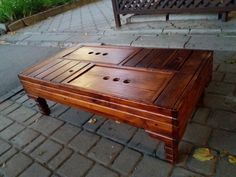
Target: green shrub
{"type": "Point", "coordinates": [11, 10]}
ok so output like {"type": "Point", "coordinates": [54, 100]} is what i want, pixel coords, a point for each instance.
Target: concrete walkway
{"type": "Point", "coordinates": [69, 143]}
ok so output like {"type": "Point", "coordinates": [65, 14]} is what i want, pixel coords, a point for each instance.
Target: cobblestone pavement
{"type": "Point", "coordinates": [67, 144]}
{"type": "Point", "coordinates": [94, 23]}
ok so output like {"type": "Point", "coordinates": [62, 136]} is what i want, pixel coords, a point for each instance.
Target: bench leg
{"type": "Point", "coordinates": [43, 106]}
{"type": "Point", "coordinates": [224, 16]}
{"type": "Point", "coordinates": [117, 20]}
{"type": "Point", "coordinates": [171, 152]}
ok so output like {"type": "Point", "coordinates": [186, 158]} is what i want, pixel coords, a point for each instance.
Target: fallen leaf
{"type": "Point", "coordinates": [92, 121]}
{"type": "Point", "coordinates": [117, 122]}
{"type": "Point", "coordinates": [232, 159]}
{"type": "Point", "coordinates": [203, 154]}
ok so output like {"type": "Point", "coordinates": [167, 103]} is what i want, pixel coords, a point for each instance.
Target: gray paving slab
{"type": "Point", "coordinates": [36, 170]}
{"type": "Point", "coordinates": [16, 58]}
{"type": "Point", "coordinates": [152, 167]}
{"type": "Point", "coordinates": [46, 151]}
{"type": "Point", "coordinates": [11, 131]}
{"type": "Point", "coordinates": [4, 122]}
{"type": "Point", "coordinates": [117, 131]}
{"type": "Point", "coordinates": [105, 151]}
{"type": "Point", "coordinates": [101, 171]}
{"type": "Point", "coordinates": [84, 141]}
{"type": "Point", "coordinates": [76, 165]}
{"type": "Point", "coordinates": [17, 164]}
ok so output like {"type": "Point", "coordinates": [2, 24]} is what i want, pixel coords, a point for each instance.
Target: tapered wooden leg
{"type": "Point", "coordinates": [224, 16]}
{"type": "Point", "coordinates": [43, 106]}
{"type": "Point", "coordinates": [171, 152]}
{"type": "Point", "coordinates": [117, 20]}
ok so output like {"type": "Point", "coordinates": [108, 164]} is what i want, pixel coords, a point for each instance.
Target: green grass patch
{"type": "Point", "coordinates": [11, 10]}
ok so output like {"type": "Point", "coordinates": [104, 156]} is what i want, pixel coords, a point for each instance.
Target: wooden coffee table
{"type": "Point", "coordinates": [153, 89]}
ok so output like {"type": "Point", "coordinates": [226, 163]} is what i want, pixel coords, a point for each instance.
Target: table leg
{"type": "Point", "coordinates": [171, 152]}
{"type": "Point", "coordinates": [43, 106]}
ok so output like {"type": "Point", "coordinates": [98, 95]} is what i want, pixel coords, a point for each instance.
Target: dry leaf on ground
{"type": "Point", "coordinates": [232, 159]}
{"type": "Point", "coordinates": [92, 121]}
{"type": "Point", "coordinates": [203, 154]}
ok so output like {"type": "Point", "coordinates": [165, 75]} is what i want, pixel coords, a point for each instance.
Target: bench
{"type": "Point", "coordinates": [153, 89]}
{"type": "Point", "coordinates": [123, 7]}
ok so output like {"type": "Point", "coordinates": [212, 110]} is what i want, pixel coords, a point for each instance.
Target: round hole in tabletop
{"type": "Point", "coordinates": [126, 81]}
{"type": "Point", "coordinates": [106, 78]}
{"type": "Point", "coordinates": [104, 54]}
{"type": "Point", "coordinates": [116, 79]}
{"type": "Point", "coordinates": [90, 53]}
{"type": "Point", "coordinates": [98, 53]}
{"type": "Point", "coordinates": [71, 70]}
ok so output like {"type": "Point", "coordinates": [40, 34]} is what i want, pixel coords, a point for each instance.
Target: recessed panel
{"type": "Point", "coordinates": [101, 55]}
{"type": "Point", "coordinates": [139, 85]}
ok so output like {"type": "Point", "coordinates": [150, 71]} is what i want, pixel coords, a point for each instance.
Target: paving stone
{"type": "Point", "coordinates": [83, 38]}
{"type": "Point", "coordinates": [152, 167]}
{"type": "Point", "coordinates": [143, 142]}
{"type": "Point", "coordinates": [119, 132]}
{"type": "Point", "coordinates": [17, 96]}
{"type": "Point", "coordinates": [223, 119]}
{"type": "Point", "coordinates": [17, 164]}
{"type": "Point", "coordinates": [22, 99]}
{"type": "Point", "coordinates": [230, 68]}
{"type": "Point", "coordinates": [46, 151]}
{"type": "Point", "coordinates": [105, 151]}
{"type": "Point", "coordinates": [193, 16]}
{"type": "Point", "coordinates": [11, 108]}
{"type": "Point", "coordinates": [84, 141]}
{"type": "Point", "coordinates": [101, 171]}
{"type": "Point", "coordinates": [7, 155]}
{"type": "Point", "coordinates": [76, 165]}
{"type": "Point", "coordinates": [221, 88]}
{"type": "Point", "coordinates": [217, 76]}
{"type": "Point", "coordinates": [4, 146]}
{"type": "Point", "coordinates": [212, 42]}
{"type": "Point", "coordinates": [34, 144]}
{"type": "Point", "coordinates": [206, 167]}
{"type": "Point", "coordinates": [22, 114]}
{"type": "Point", "coordinates": [163, 41]}
{"type": "Point", "coordinates": [126, 161]}
{"type": "Point", "coordinates": [94, 126]}
{"type": "Point", "coordinates": [205, 31]}
{"type": "Point", "coordinates": [230, 77]}
{"type": "Point", "coordinates": [185, 149]}
{"type": "Point", "coordinates": [225, 169]}
{"type": "Point", "coordinates": [60, 158]}
{"type": "Point", "coordinates": [75, 116]}
{"type": "Point", "coordinates": [197, 134]}
{"type": "Point", "coordinates": [121, 39]}
{"type": "Point", "coordinates": [48, 37]}
{"type": "Point", "coordinates": [46, 125]}
{"type": "Point", "coordinates": [58, 109]}
{"type": "Point", "coordinates": [24, 138]}
{"type": "Point", "coordinates": [5, 104]}
{"type": "Point", "coordinates": [33, 119]}
{"type": "Point", "coordinates": [36, 170]}
{"type": "Point", "coordinates": [30, 103]}
{"type": "Point", "coordinates": [11, 131]}
{"type": "Point", "coordinates": [201, 115]}
{"type": "Point", "coordinates": [65, 133]}
{"type": "Point", "coordinates": [4, 122]}
{"type": "Point", "coordinates": [220, 102]}
{"type": "Point", "coordinates": [223, 140]}
{"type": "Point", "coordinates": [181, 172]}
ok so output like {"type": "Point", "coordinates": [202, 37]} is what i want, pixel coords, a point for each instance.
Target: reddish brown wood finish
{"type": "Point", "coordinates": [153, 89]}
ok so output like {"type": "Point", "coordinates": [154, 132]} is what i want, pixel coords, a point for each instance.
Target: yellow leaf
{"type": "Point", "coordinates": [203, 154]}
{"type": "Point", "coordinates": [92, 121]}
{"type": "Point", "coordinates": [232, 159]}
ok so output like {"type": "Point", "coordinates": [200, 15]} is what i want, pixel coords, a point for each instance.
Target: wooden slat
{"type": "Point", "coordinates": [60, 71]}
{"type": "Point", "coordinates": [52, 69]}
{"type": "Point", "coordinates": [43, 67]}
{"type": "Point", "coordinates": [70, 72]}
{"type": "Point", "coordinates": [180, 81]}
